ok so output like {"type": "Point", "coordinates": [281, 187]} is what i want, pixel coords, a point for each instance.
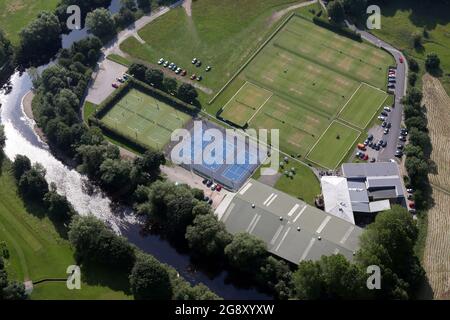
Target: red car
{"type": "Point", "coordinates": [115, 85]}
{"type": "Point", "coordinates": [219, 187]}
{"type": "Point", "coordinates": [400, 59]}
{"type": "Point", "coordinates": [412, 205]}
{"type": "Point", "coordinates": [366, 157]}
{"type": "Point", "coordinates": [183, 73]}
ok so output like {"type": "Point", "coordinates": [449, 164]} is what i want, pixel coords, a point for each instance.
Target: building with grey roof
{"type": "Point", "coordinates": [292, 229]}
{"type": "Point", "coordinates": [371, 187]}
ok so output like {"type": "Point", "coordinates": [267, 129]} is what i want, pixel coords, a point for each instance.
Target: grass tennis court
{"type": "Point", "coordinates": [312, 74]}
{"type": "Point", "coordinates": [333, 145]}
{"type": "Point", "coordinates": [245, 104]}
{"type": "Point", "coordinates": [361, 108]}
{"type": "Point", "coordinates": [143, 118]}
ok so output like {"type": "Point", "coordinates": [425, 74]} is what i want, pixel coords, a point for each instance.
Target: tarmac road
{"type": "Point", "coordinates": [396, 115]}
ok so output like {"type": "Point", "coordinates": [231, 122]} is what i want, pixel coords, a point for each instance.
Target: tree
{"type": "Point", "coordinates": [332, 277]}
{"type": "Point", "coordinates": [39, 40]}
{"type": "Point", "coordinates": [124, 17]}
{"type": "Point", "coordinates": [417, 168]}
{"type": "Point", "coordinates": [418, 122]}
{"type": "Point", "coordinates": [94, 242]}
{"type": "Point", "coordinates": [144, 5]}
{"type": "Point", "coordinates": [207, 236]}
{"type": "Point", "coordinates": [413, 65]}
{"type": "Point", "coordinates": [20, 165]}
{"type": "Point", "coordinates": [187, 93]}
{"type": "Point", "coordinates": [92, 156]}
{"type": "Point", "coordinates": [246, 252]}
{"type": "Point", "coordinates": [336, 11]}
{"type": "Point", "coordinates": [432, 62]}
{"type": "Point", "coordinates": [412, 78]}
{"type": "Point", "coordinates": [416, 40]}
{"type": "Point", "coordinates": [275, 275]}
{"type": "Point", "coordinates": [32, 184]}
{"type": "Point", "coordinates": [170, 85]}
{"type": "Point", "coordinates": [129, 4]}
{"type": "Point", "coordinates": [356, 8]}
{"type": "Point", "coordinates": [389, 243]}
{"type": "Point", "coordinates": [100, 22]}
{"type": "Point", "coordinates": [150, 280]}
{"type": "Point", "coordinates": [138, 71]}
{"type": "Point", "coordinates": [154, 77]}
{"type": "Point", "coordinates": [413, 97]}
{"type": "Point", "coordinates": [147, 168]}
{"type": "Point", "coordinates": [57, 205]}
{"type": "Point", "coordinates": [115, 174]}
{"type": "Point", "coordinates": [2, 137]}
{"type": "Point", "coordinates": [420, 138]}
{"type": "Point", "coordinates": [14, 291]}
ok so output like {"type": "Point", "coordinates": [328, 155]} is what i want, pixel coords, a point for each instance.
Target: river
{"type": "Point", "coordinates": [86, 199]}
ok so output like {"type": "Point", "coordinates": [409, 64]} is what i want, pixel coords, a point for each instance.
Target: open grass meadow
{"type": "Point", "coordinates": [16, 14]}
{"type": "Point", "coordinates": [401, 19]}
{"type": "Point", "coordinates": [141, 117]}
{"type": "Point", "coordinates": [221, 34]}
{"type": "Point", "coordinates": [363, 105]}
{"type": "Point", "coordinates": [333, 146]}
{"type": "Point", "coordinates": [38, 249]}
{"type": "Point", "coordinates": [314, 76]}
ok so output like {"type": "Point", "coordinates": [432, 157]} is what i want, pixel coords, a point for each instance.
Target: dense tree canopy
{"type": "Point", "coordinates": [2, 137]}
{"type": "Point", "coordinates": [32, 183]}
{"type": "Point", "coordinates": [40, 40]}
{"type": "Point", "coordinates": [187, 93]}
{"type": "Point", "coordinates": [100, 22]}
{"type": "Point", "coordinates": [245, 252]}
{"type": "Point", "coordinates": [149, 280]}
{"type": "Point", "coordinates": [336, 11]}
{"type": "Point", "coordinates": [432, 62]}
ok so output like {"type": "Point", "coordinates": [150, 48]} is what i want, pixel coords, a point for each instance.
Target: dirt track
{"type": "Point", "coordinates": [437, 247]}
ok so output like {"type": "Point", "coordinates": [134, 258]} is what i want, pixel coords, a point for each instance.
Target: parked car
{"type": "Point", "coordinates": [218, 188]}
{"type": "Point", "coordinates": [209, 183]}
{"type": "Point", "coordinates": [199, 63]}
{"type": "Point", "coordinates": [366, 157]}
{"type": "Point", "coordinates": [380, 142]}
{"type": "Point", "coordinates": [402, 138]}
{"type": "Point", "coordinates": [208, 68]}
{"type": "Point", "coordinates": [358, 154]}
{"type": "Point", "coordinates": [399, 153]}
{"type": "Point", "coordinates": [199, 78]}
{"type": "Point", "coordinates": [384, 124]}
{"type": "Point", "coordinates": [213, 187]}
{"type": "Point", "coordinates": [404, 133]}
{"type": "Point", "coordinates": [366, 142]}
{"type": "Point", "coordinates": [115, 85]}
{"type": "Point", "coordinates": [370, 137]}
{"type": "Point", "coordinates": [361, 146]}
{"type": "Point", "coordinates": [373, 160]}
{"type": "Point", "coordinates": [371, 144]}
{"type": "Point", "coordinates": [412, 205]}
{"type": "Point", "coordinates": [410, 197]}
{"type": "Point", "coordinates": [125, 76]}
{"type": "Point", "coordinates": [389, 125]}
{"type": "Point", "coordinates": [400, 146]}
{"type": "Point", "coordinates": [384, 113]}
{"type": "Point", "coordinates": [161, 61]}
{"type": "Point", "coordinates": [386, 131]}
{"type": "Point", "coordinates": [166, 64]}
{"type": "Point", "coordinates": [410, 190]}
{"type": "Point", "coordinates": [121, 80]}
{"type": "Point", "coordinates": [400, 59]}
{"type": "Point", "coordinates": [384, 144]}
{"type": "Point", "coordinates": [183, 73]}
{"type": "Point", "coordinates": [381, 118]}
{"type": "Point", "coordinates": [194, 61]}
{"type": "Point", "coordinates": [377, 147]}
{"type": "Point", "coordinates": [386, 108]}
{"type": "Point", "coordinates": [193, 77]}
{"type": "Point", "coordinates": [205, 181]}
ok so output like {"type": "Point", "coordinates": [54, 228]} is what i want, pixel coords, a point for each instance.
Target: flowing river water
{"type": "Point", "coordinates": [87, 199]}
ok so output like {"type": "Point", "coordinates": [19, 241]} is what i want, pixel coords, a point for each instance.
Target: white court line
{"type": "Point", "coordinates": [254, 224]}
{"type": "Point", "coordinates": [271, 200]}
{"type": "Point", "coordinates": [282, 239]}
{"type": "Point", "coordinates": [249, 120]}
{"type": "Point", "coordinates": [251, 222]}
{"type": "Point", "coordinates": [275, 236]}
{"type": "Point", "coordinates": [290, 213]}
{"type": "Point", "coordinates": [323, 224]}
{"type": "Point", "coordinates": [351, 97]}
{"type": "Point", "coordinates": [308, 248]}
{"type": "Point", "coordinates": [234, 95]}
{"type": "Point", "coordinates": [367, 84]}
{"type": "Point", "coordinates": [300, 213]}
{"type": "Point", "coordinates": [347, 234]}
{"type": "Point", "coordinates": [268, 198]}
{"type": "Point", "coordinates": [245, 188]}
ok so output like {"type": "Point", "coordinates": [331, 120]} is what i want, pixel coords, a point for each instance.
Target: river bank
{"type": "Point", "coordinates": [27, 105]}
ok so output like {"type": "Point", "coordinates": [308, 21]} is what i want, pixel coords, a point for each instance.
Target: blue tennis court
{"type": "Point", "coordinates": [231, 168]}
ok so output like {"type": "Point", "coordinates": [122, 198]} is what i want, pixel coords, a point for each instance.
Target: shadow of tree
{"type": "Point", "coordinates": [94, 274]}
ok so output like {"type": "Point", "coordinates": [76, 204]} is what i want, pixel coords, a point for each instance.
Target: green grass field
{"type": "Point", "coordinates": [222, 34]}
{"type": "Point", "coordinates": [38, 250]}
{"type": "Point", "coordinates": [141, 117]}
{"type": "Point", "coordinates": [400, 20]}
{"type": "Point", "coordinates": [363, 105]}
{"type": "Point", "coordinates": [309, 74]}
{"type": "Point", "coordinates": [16, 14]}
{"type": "Point", "coordinates": [333, 145]}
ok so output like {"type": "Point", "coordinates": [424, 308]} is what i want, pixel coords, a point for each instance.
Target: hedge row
{"type": "Point", "coordinates": [337, 28]}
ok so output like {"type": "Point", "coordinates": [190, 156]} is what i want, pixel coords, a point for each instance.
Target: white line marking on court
{"type": "Point", "coordinates": [234, 95]}
{"type": "Point", "coordinates": [300, 213]}
{"type": "Point", "coordinates": [245, 188]}
{"type": "Point", "coordinates": [275, 236]}
{"type": "Point", "coordinates": [367, 84]}
{"type": "Point", "coordinates": [342, 109]}
{"type": "Point", "coordinates": [227, 213]}
{"type": "Point", "coordinates": [251, 222]}
{"type": "Point", "coordinates": [305, 253]}
{"type": "Point", "coordinates": [268, 198]}
{"type": "Point", "coordinates": [290, 213]}
{"type": "Point", "coordinates": [271, 200]}
{"type": "Point", "coordinates": [249, 120]}
{"type": "Point", "coordinates": [323, 224]}
{"type": "Point", "coordinates": [347, 234]}
{"type": "Point", "coordinates": [254, 224]}
{"type": "Point", "coordinates": [282, 239]}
